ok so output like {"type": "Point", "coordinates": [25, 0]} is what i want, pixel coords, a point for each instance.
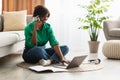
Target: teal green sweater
{"type": "Point", "coordinates": [43, 36]}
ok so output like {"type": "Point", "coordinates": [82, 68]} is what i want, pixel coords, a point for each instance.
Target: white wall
{"type": "Point", "coordinates": [63, 20]}
{"type": "Point", "coordinates": [114, 9]}
{"type": "Point", "coordinates": [0, 6]}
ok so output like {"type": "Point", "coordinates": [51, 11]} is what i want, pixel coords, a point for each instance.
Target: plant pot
{"type": "Point", "coordinates": [93, 46]}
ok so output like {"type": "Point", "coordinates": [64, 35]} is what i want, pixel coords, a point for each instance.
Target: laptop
{"type": "Point", "coordinates": [76, 62]}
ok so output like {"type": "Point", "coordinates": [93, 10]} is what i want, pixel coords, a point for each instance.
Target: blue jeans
{"type": "Point", "coordinates": [33, 55]}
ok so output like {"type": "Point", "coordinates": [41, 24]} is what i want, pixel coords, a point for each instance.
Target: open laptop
{"type": "Point", "coordinates": [76, 62]}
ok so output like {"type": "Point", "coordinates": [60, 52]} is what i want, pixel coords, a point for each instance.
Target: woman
{"type": "Point", "coordinates": [37, 34]}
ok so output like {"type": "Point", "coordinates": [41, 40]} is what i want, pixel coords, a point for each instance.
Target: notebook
{"type": "Point", "coordinates": [76, 62]}
{"type": "Point", "coordinates": [40, 68]}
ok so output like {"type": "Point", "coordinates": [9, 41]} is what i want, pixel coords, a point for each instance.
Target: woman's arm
{"type": "Point", "coordinates": [37, 25]}
{"type": "Point", "coordinates": [33, 38]}
{"type": "Point", "coordinates": [59, 53]}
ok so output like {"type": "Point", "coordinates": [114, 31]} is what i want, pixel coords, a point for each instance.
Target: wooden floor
{"type": "Point", "coordinates": [9, 71]}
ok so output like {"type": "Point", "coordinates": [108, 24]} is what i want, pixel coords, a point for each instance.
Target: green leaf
{"type": "Point", "coordinates": [85, 27]}
{"type": "Point", "coordinates": [97, 2]}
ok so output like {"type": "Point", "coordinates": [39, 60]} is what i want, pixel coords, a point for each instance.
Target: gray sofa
{"type": "Point", "coordinates": [11, 41]}
{"type": "Point", "coordinates": [111, 30]}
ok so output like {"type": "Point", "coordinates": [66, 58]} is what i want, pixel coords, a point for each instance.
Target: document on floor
{"type": "Point", "coordinates": [39, 68]}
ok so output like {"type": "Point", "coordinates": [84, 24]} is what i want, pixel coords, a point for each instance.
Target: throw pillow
{"type": "Point", "coordinates": [15, 20]}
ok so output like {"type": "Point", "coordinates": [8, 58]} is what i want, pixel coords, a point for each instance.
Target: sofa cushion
{"type": "Point", "coordinates": [115, 32]}
{"type": "Point", "coordinates": [8, 39]}
{"type": "Point", "coordinates": [15, 20]}
{"type": "Point", "coordinates": [29, 18]}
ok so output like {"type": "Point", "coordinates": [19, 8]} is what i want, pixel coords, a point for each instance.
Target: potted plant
{"type": "Point", "coordinates": [93, 19]}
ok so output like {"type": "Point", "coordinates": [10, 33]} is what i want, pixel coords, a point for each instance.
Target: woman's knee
{"type": "Point", "coordinates": [40, 51]}
{"type": "Point", "coordinates": [64, 49]}
{"type": "Point", "coordinates": [34, 55]}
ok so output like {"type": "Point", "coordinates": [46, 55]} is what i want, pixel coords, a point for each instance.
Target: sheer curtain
{"type": "Point", "coordinates": [16, 5]}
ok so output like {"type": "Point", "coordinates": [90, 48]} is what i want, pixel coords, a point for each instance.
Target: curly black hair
{"type": "Point", "coordinates": [40, 11]}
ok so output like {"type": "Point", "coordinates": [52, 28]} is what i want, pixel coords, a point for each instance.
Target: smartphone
{"type": "Point", "coordinates": [37, 18]}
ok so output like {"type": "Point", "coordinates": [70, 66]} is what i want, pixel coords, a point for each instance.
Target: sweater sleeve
{"type": "Point", "coordinates": [52, 39]}
{"type": "Point", "coordinates": [28, 34]}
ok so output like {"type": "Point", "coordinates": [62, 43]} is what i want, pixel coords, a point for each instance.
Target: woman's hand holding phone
{"type": "Point", "coordinates": [38, 23]}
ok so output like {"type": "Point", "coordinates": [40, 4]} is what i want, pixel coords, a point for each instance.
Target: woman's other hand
{"type": "Point", "coordinates": [64, 60]}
